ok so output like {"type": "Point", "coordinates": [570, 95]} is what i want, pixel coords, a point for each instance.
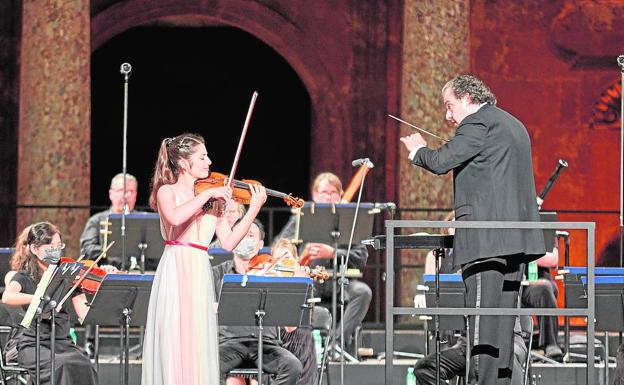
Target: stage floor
{"type": "Point", "coordinates": [372, 372]}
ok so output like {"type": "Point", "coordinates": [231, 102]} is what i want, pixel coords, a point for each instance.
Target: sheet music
{"type": "Point", "coordinates": [34, 304]}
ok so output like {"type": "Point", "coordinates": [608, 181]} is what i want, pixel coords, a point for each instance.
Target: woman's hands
{"type": "Point", "coordinates": [258, 197]}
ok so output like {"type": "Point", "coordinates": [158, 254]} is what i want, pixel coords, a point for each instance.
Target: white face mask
{"type": "Point", "coordinates": [246, 248]}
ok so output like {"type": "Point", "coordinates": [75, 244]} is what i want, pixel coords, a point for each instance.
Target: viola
{"type": "Point", "coordinates": [241, 191]}
{"type": "Point", "coordinates": [94, 275]}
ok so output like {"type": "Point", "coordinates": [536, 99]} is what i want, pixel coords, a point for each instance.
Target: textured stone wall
{"type": "Point", "coordinates": [435, 48]}
{"type": "Point", "coordinates": [54, 115]}
{"type": "Point", "coordinates": [553, 65]}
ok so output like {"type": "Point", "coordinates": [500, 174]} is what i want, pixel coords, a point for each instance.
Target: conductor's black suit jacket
{"type": "Point", "coordinates": [490, 156]}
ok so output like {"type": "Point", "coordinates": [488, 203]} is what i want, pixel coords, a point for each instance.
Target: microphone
{"type": "Point", "coordinates": [361, 161]}
{"type": "Point", "coordinates": [620, 60]}
{"type": "Point", "coordinates": [125, 69]}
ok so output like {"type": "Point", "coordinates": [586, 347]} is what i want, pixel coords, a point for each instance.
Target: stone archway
{"type": "Point", "coordinates": [272, 26]}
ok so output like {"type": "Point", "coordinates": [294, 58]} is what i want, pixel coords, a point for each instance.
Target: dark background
{"type": "Point", "coordinates": [198, 80]}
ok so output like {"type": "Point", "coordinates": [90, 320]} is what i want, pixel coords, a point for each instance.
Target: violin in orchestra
{"type": "Point", "coordinates": [284, 263]}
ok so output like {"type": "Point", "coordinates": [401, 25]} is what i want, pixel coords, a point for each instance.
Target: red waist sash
{"type": "Point", "coordinates": [188, 244]}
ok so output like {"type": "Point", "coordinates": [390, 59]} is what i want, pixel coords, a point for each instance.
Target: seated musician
{"type": "Point", "coordinates": [239, 344]}
{"type": "Point", "coordinates": [453, 358]}
{"type": "Point", "coordinates": [327, 188]}
{"type": "Point", "coordinates": [543, 294]}
{"type": "Point", "coordinates": [36, 247]}
{"type": "Point", "coordinates": [91, 240]}
{"type": "Point", "coordinates": [298, 341]}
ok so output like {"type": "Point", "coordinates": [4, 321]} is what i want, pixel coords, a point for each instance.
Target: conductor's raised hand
{"type": "Point", "coordinates": [258, 196]}
{"type": "Point", "coordinates": [413, 140]}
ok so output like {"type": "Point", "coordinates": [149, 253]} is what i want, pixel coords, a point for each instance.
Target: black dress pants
{"type": "Point", "coordinates": [542, 294]}
{"type": "Point", "coordinates": [275, 360]}
{"type": "Point", "coordinates": [453, 363]}
{"type": "Point", "coordinates": [493, 283]}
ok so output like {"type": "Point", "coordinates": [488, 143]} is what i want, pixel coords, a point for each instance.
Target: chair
{"type": "Point", "coordinates": [322, 321]}
{"type": "Point", "coordinates": [247, 372]}
{"type": "Point", "coordinates": [526, 325]}
{"type": "Point", "coordinates": [10, 371]}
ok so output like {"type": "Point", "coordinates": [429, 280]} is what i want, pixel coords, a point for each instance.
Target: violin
{"type": "Point", "coordinates": [266, 264]}
{"type": "Point", "coordinates": [241, 191]}
{"type": "Point", "coordinates": [94, 275]}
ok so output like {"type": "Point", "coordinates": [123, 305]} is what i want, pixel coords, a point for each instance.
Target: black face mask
{"type": "Point", "coordinates": [52, 256]}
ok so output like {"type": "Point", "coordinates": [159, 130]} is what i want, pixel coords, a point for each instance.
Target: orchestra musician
{"type": "Point", "coordinates": [239, 344]}
{"type": "Point", "coordinates": [298, 341]}
{"type": "Point", "coordinates": [327, 188]}
{"type": "Point", "coordinates": [490, 156]}
{"type": "Point", "coordinates": [36, 247]}
{"type": "Point", "coordinates": [91, 240]}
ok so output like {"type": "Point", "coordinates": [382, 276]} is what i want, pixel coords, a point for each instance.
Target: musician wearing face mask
{"type": "Point", "coordinates": [239, 344]}
{"type": "Point", "coordinates": [38, 246]}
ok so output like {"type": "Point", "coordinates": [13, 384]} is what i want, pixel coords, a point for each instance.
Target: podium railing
{"type": "Point", "coordinates": [391, 310]}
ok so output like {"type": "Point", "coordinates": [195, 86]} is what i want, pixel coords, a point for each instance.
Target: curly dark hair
{"type": "Point", "coordinates": [470, 85]}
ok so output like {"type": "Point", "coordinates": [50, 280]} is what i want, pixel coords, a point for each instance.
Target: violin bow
{"type": "Point", "coordinates": [84, 275]}
{"type": "Point", "coordinates": [242, 138]}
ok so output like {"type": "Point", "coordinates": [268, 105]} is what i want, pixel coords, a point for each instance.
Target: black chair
{"type": "Point", "coordinates": [10, 372]}
{"type": "Point", "coordinates": [248, 372]}
{"type": "Point", "coordinates": [526, 324]}
{"type": "Point", "coordinates": [322, 321]}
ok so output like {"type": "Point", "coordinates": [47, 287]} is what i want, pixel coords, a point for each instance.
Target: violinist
{"type": "Point", "coordinates": [38, 246]}
{"type": "Point", "coordinates": [181, 344]}
{"type": "Point", "coordinates": [239, 344]}
{"type": "Point", "coordinates": [327, 188]}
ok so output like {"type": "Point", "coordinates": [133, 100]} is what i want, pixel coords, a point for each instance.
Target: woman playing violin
{"type": "Point", "coordinates": [38, 246]}
{"type": "Point", "coordinates": [181, 332]}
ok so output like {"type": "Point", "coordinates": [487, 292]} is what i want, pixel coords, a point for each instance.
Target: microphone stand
{"type": "Point", "coordinates": [125, 70]}
{"type": "Point", "coordinates": [343, 280]}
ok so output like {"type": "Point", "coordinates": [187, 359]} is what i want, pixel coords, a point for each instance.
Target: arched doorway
{"type": "Point", "coordinates": [198, 80]}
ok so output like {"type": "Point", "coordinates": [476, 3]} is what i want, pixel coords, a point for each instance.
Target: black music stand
{"type": "Point", "coordinates": [143, 240]}
{"type": "Point", "coordinates": [331, 224]}
{"type": "Point", "coordinates": [247, 300]}
{"type": "Point", "coordinates": [121, 300]}
{"type": "Point", "coordinates": [447, 290]}
{"type": "Point", "coordinates": [56, 289]}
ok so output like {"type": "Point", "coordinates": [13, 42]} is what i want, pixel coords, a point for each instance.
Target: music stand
{"type": "Point", "coordinates": [143, 239]}
{"type": "Point", "coordinates": [121, 300]}
{"type": "Point", "coordinates": [56, 288]}
{"type": "Point", "coordinates": [331, 224]}
{"type": "Point", "coordinates": [247, 300]}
